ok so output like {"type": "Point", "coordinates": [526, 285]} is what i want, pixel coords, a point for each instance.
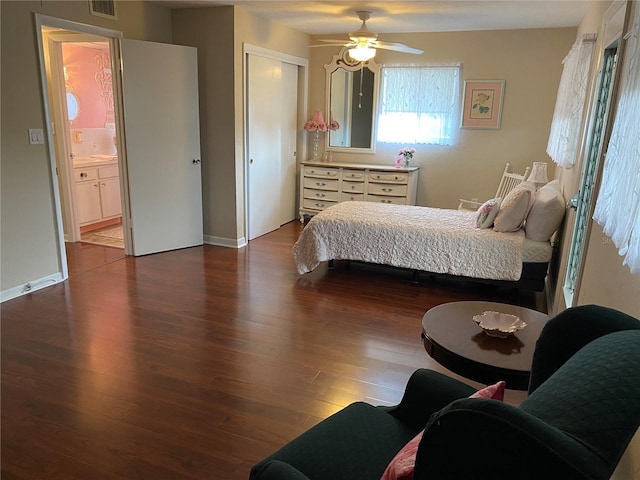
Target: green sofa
{"type": "Point", "coordinates": [582, 410]}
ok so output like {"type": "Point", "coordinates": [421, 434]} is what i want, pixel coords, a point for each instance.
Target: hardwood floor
{"type": "Point", "coordinates": [197, 363]}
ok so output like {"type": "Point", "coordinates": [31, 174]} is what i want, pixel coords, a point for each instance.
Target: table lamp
{"type": "Point", "coordinates": [538, 175]}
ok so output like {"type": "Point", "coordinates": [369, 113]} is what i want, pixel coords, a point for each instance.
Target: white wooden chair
{"type": "Point", "coordinates": [507, 182]}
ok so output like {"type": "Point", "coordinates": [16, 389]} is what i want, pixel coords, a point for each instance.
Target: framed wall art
{"type": "Point", "coordinates": [482, 106]}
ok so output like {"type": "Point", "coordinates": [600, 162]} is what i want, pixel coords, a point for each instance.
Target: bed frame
{"type": "Point", "coordinates": [533, 276]}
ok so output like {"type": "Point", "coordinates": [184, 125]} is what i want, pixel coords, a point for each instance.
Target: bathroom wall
{"type": "Point", "coordinates": [93, 130]}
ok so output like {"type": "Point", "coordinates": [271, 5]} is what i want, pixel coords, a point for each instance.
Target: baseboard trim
{"type": "Point", "coordinates": [30, 287]}
{"type": "Point", "coordinates": [225, 242]}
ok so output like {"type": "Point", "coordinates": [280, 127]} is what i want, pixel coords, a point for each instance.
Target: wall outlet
{"type": "Point", "coordinates": [36, 136]}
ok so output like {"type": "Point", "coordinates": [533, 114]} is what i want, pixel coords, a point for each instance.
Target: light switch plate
{"type": "Point", "coordinates": [36, 136]}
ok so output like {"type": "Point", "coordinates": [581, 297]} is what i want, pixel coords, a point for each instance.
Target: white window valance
{"type": "Point", "coordinates": [564, 136]}
{"type": "Point", "coordinates": [618, 205]}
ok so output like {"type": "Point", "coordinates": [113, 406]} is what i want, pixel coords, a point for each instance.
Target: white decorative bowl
{"type": "Point", "coordinates": [496, 324]}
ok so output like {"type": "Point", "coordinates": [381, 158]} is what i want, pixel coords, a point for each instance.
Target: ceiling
{"type": "Point", "coordinates": [330, 17]}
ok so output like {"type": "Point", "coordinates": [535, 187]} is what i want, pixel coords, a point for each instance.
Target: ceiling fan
{"type": "Point", "coordinates": [363, 43]}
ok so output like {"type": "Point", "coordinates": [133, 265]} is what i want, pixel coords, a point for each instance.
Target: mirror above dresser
{"type": "Point", "coordinates": [352, 96]}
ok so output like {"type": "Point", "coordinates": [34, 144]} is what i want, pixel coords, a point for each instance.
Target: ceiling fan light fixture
{"type": "Point", "coordinates": [362, 54]}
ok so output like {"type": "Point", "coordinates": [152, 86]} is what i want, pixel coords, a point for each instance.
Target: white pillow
{"type": "Point", "coordinates": [546, 213]}
{"type": "Point", "coordinates": [514, 208]}
{"type": "Point", "coordinates": [487, 213]}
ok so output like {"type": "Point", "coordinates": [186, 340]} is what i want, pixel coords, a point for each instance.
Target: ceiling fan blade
{"type": "Point", "coordinates": [398, 47]}
{"type": "Point", "coordinates": [334, 41]}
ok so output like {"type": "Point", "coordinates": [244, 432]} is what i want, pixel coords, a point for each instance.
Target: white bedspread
{"type": "Point", "coordinates": [422, 238]}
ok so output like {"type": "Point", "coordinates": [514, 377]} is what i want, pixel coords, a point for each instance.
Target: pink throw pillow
{"type": "Point", "coordinates": [402, 465]}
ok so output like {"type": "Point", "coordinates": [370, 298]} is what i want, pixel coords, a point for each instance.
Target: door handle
{"type": "Point", "coordinates": [250, 160]}
{"type": "Point", "coordinates": [573, 201]}
{"type": "Point", "coordinates": [196, 161]}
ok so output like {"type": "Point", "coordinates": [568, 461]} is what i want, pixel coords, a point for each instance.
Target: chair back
{"type": "Point", "coordinates": [594, 398]}
{"type": "Point", "coordinates": [510, 180]}
{"type": "Point", "coordinates": [568, 332]}
{"type": "Point", "coordinates": [507, 183]}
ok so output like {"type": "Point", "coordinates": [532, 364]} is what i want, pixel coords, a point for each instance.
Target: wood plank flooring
{"type": "Point", "coordinates": [197, 363]}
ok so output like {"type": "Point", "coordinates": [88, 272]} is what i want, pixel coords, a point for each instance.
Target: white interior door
{"type": "Point", "coordinates": [264, 110]}
{"type": "Point", "coordinates": [160, 90]}
{"type": "Point", "coordinates": [289, 142]}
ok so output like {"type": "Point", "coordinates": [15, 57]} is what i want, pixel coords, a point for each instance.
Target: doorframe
{"type": "Point", "coordinates": [114, 37]}
{"type": "Point", "coordinates": [303, 93]}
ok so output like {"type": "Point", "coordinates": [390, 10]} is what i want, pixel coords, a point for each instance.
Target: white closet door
{"type": "Point", "coordinates": [289, 141]}
{"type": "Point", "coordinates": [264, 111]}
{"type": "Point", "coordinates": [160, 86]}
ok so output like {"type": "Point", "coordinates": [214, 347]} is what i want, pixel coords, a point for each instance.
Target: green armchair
{"type": "Point", "coordinates": [582, 410]}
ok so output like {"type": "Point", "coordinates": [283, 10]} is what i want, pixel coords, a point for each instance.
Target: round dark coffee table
{"type": "Point", "coordinates": [455, 341]}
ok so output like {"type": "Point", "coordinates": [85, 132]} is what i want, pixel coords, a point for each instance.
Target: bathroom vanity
{"type": "Point", "coordinates": [97, 189]}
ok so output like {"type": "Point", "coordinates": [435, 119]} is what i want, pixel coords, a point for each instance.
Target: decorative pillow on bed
{"type": "Point", "coordinates": [514, 208]}
{"type": "Point", "coordinates": [546, 213]}
{"type": "Point", "coordinates": [402, 465]}
{"type": "Point", "coordinates": [487, 213]}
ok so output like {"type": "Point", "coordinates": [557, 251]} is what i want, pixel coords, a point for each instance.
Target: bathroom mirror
{"type": "Point", "coordinates": [72, 107]}
{"type": "Point", "coordinates": [352, 100]}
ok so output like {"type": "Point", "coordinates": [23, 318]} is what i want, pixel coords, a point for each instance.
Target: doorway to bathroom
{"type": "Point", "coordinates": [82, 103]}
{"type": "Point", "coordinates": [157, 149]}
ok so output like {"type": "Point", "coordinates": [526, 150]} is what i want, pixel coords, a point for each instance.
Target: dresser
{"type": "Point", "coordinates": [323, 184]}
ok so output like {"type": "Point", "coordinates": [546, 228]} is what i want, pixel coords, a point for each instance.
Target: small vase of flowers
{"type": "Point", "coordinates": [404, 157]}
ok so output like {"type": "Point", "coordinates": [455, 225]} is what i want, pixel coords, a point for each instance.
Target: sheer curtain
{"type": "Point", "coordinates": [419, 105]}
{"type": "Point", "coordinates": [618, 204]}
{"type": "Point", "coordinates": [564, 136]}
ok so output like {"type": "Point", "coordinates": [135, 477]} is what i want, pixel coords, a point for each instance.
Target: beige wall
{"type": "Point", "coordinates": [529, 61]}
{"type": "Point", "coordinates": [211, 31]}
{"type": "Point", "coordinates": [28, 239]}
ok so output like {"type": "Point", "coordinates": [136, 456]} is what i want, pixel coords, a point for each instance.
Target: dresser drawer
{"type": "Point", "coordinates": [108, 171]}
{"type": "Point", "coordinates": [353, 187]}
{"type": "Point", "coordinates": [351, 197]}
{"type": "Point", "coordinates": [321, 194]}
{"type": "Point", "coordinates": [83, 174]}
{"type": "Point", "coordinates": [311, 204]}
{"type": "Point", "coordinates": [388, 177]}
{"type": "Point", "coordinates": [317, 172]}
{"type": "Point", "coordinates": [388, 189]}
{"type": "Point", "coordinates": [385, 199]}
{"type": "Point", "coordinates": [321, 183]}
{"type": "Point", "coordinates": [353, 175]}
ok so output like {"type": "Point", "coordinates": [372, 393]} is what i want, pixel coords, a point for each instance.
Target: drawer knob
{"type": "Point", "coordinates": [387, 189]}
{"type": "Point", "coordinates": [321, 195]}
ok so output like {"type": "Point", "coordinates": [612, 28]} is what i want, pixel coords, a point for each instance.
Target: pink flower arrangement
{"type": "Point", "coordinates": [317, 123]}
{"type": "Point", "coordinates": [404, 157]}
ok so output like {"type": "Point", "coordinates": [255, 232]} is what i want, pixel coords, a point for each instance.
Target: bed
{"type": "Point", "coordinates": [422, 239]}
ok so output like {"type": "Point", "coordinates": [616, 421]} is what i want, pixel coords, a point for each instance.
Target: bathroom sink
{"type": "Point", "coordinates": [104, 157]}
